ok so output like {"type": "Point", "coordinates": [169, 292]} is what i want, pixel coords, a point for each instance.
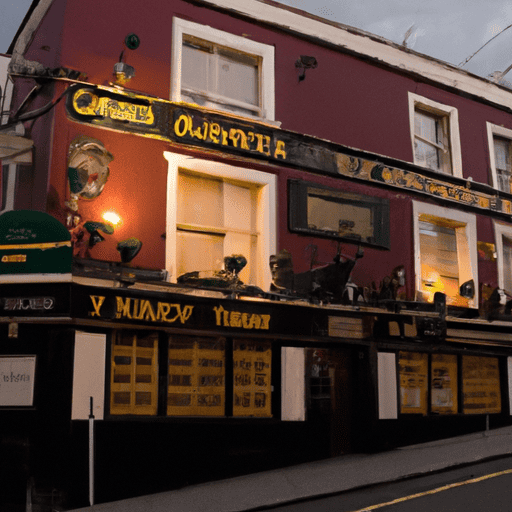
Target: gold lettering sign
{"type": "Point", "coordinates": [88, 104]}
{"type": "Point", "coordinates": [227, 318]}
{"type": "Point", "coordinates": [143, 309]}
{"type": "Point", "coordinates": [14, 258]}
{"type": "Point", "coordinates": [233, 137]}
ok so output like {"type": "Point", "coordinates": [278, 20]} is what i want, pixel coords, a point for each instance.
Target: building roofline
{"type": "Point", "coordinates": [336, 35]}
{"type": "Point", "coordinates": [31, 21]}
{"type": "Point", "coordinates": [364, 44]}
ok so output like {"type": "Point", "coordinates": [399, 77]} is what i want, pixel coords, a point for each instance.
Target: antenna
{"type": "Point", "coordinates": [463, 63]}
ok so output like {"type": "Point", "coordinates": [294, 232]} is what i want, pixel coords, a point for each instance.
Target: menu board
{"type": "Point", "coordinates": [17, 381]}
{"type": "Point", "coordinates": [443, 384]}
{"type": "Point", "coordinates": [252, 361]}
{"type": "Point", "coordinates": [413, 369]}
{"type": "Point", "coordinates": [481, 385]}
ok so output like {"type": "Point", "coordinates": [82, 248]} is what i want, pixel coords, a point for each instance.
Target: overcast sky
{"type": "Point", "coordinates": [450, 30]}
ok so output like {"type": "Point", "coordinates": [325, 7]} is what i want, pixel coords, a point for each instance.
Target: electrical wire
{"type": "Point", "coordinates": [463, 63]}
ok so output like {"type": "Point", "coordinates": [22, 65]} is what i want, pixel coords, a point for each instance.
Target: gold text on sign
{"type": "Point", "coordinates": [233, 137]}
{"type": "Point", "coordinates": [226, 318]}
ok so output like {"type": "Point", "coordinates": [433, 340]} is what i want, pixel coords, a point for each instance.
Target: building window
{"type": "Point", "coordinates": [218, 70]}
{"type": "Point", "coordinates": [220, 218]}
{"type": "Point", "coordinates": [204, 376]}
{"type": "Point", "coordinates": [445, 253]}
{"type": "Point", "coordinates": [437, 376]}
{"type": "Point", "coordinates": [500, 147]}
{"type": "Point", "coordinates": [222, 210]}
{"type": "Point", "coordinates": [198, 383]}
{"type": "Point", "coordinates": [196, 376]}
{"type": "Point", "coordinates": [481, 385]}
{"type": "Point", "coordinates": [134, 373]}
{"type": "Point", "coordinates": [503, 237]}
{"type": "Point", "coordinates": [317, 210]}
{"type": "Point", "coordinates": [435, 135]}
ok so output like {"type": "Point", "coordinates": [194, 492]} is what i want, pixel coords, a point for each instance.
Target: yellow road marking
{"type": "Point", "coordinates": [434, 491]}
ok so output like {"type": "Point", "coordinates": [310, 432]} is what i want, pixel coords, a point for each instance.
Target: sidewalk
{"type": "Point", "coordinates": [321, 477]}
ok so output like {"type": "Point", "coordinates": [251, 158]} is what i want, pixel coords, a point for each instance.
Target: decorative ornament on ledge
{"type": "Point", "coordinates": [88, 173]}
{"type": "Point", "coordinates": [129, 248]}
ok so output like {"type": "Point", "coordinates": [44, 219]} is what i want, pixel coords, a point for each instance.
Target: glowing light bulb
{"type": "Point", "coordinates": [112, 218]}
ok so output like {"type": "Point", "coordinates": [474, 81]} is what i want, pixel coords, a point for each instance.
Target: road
{"type": "Point", "coordinates": [477, 488]}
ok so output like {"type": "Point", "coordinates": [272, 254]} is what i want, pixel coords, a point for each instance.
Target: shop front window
{"type": "Point", "coordinates": [134, 373]}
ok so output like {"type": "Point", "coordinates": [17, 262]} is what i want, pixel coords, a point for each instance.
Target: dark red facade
{"type": "Point", "coordinates": [345, 127]}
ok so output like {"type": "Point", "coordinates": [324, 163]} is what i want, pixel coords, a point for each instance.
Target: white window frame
{"type": "Point", "coordinates": [493, 130]}
{"type": "Point", "coordinates": [266, 52]}
{"type": "Point", "coordinates": [501, 230]}
{"type": "Point", "coordinates": [417, 102]}
{"type": "Point", "coordinates": [266, 208]}
{"type": "Point", "coordinates": [466, 235]}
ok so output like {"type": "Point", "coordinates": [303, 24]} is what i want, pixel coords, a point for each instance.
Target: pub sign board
{"type": "Point", "coordinates": [198, 127]}
{"type": "Point", "coordinates": [33, 242]}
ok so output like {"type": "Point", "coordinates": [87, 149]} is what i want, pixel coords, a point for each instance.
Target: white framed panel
{"type": "Point", "coordinates": [387, 383]}
{"type": "Point", "coordinates": [17, 375]}
{"type": "Point", "coordinates": [89, 375]}
{"type": "Point", "coordinates": [293, 384]}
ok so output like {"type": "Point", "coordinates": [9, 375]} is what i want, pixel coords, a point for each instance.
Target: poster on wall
{"type": "Point", "coordinates": [444, 384]}
{"type": "Point", "coordinates": [251, 380]}
{"type": "Point", "coordinates": [413, 368]}
{"type": "Point", "coordinates": [481, 385]}
{"type": "Point", "coordinates": [17, 381]}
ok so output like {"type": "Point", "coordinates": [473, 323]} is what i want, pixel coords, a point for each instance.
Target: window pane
{"type": "Point", "coordinates": [507, 264]}
{"type": "Point", "coordinates": [200, 200]}
{"type": "Point", "coordinates": [199, 252]}
{"type": "Point", "coordinates": [427, 128]}
{"type": "Point", "coordinates": [252, 364]}
{"type": "Point", "coordinates": [439, 262]}
{"type": "Point", "coordinates": [444, 397]}
{"type": "Point", "coordinates": [134, 373]}
{"type": "Point", "coordinates": [413, 368]}
{"type": "Point", "coordinates": [238, 79]}
{"type": "Point", "coordinates": [502, 161]}
{"type": "Point", "coordinates": [194, 67]}
{"type": "Point", "coordinates": [196, 377]}
{"type": "Point", "coordinates": [481, 385]}
{"type": "Point", "coordinates": [339, 213]}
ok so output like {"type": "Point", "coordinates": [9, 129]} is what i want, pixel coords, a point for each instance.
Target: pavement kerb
{"type": "Point", "coordinates": [262, 491]}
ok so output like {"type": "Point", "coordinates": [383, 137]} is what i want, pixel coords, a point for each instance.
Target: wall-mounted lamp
{"type": "Point", "coordinates": [305, 62]}
{"type": "Point", "coordinates": [122, 71]}
{"type": "Point", "coordinates": [93, 229]}
{"type": "Point", "coordinates": [128, 249]}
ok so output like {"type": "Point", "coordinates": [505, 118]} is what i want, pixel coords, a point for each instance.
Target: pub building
{"type": "Point", "coordinates": [215, 274]}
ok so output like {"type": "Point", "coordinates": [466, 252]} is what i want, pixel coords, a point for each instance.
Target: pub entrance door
{"type": "Point", "coordinates": [330, 396]}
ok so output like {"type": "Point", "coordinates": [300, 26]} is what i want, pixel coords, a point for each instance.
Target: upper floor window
{"type": "Point", "coordinates": [218, 70]}
{"type": "Point", "coordinates": [500, 147]}
{"type": "Point", "coordinates": [503, 235]}
{"type": "Point", "coordinates": [445, 252]}
{"type": "Point", "coordinates": [216, 210]}
{"type": "Point", "coordinates": [435, 135]}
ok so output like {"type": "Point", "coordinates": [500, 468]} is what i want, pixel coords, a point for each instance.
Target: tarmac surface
{"type": "Point", "coordinates": [325, 477]}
